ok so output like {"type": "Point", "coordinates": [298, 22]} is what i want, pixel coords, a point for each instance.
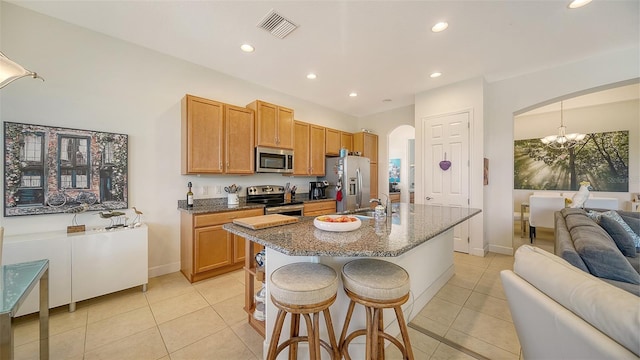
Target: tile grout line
{"type": "Point", "coordinates": [447, 342]}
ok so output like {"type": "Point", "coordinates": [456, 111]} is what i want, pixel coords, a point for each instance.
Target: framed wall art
{"type": "Point", "coordinates": [52, 170]}
{"type": "Point", "coordinates": [601, 158]}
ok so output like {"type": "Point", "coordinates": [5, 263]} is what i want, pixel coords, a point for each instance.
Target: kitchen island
{"type": "Point", "coordinates": [418, 237]}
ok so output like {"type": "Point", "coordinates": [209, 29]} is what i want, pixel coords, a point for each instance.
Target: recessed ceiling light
{"type": "Point", "coordinates": [441, 26]}
{"type": "Point", "coordinates": [311, 76]}
{"type": "Point", "coordinates": [435, 74]}
{"type": "Point", "coordinates": [353, 94]}
{"type": "Point", "coordinates": [578, 3]}
{"type": "Point", "coordinates": [247, 48]}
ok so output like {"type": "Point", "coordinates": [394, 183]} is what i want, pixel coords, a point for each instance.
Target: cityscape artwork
{"type": "Point", "coordinates": [51, 170]}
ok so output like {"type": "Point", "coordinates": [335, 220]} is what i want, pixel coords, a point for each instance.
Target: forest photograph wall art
{"type": "Point", "coordinates": [601, 158]}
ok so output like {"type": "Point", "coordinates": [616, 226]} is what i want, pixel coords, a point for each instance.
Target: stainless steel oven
{"type": "Point", "coordinates": [270, 160]}
{"type": "Point", "coordinates": [272, 196]}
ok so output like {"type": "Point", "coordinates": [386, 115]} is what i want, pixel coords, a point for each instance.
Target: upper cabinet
{"type": "Point", "coordinates": [309, 149]}
{"type": "Point", "coordinates": [367, 144]}
{"type": "Point", "coordinates": [202, 136]}
{"type": "Point", "coordinates": [239, 149]}
{"type": "Point", "coordinates": [346, 141]}
{"type": "Point", "coordinates": [214, 137]}
{"type": "Point", "coordinates": [274, 125]}
{"type": "Point", "coordinates": [332, 142]}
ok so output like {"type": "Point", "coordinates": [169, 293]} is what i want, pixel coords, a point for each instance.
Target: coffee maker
{"type": "Point", "coordinates": [317, 190]}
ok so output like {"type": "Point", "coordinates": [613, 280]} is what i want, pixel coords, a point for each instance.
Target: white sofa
{"type": "Point", "coordinates": [562, 312]}
{"type": "Point", "coordinates": [542, 208]}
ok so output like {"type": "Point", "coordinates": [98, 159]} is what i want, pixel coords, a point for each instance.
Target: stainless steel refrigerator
{"type": "Point", "coordinates": [349, 181]}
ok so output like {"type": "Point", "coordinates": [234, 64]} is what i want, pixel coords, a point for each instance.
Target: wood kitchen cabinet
{"type": "Point", "coordinates": [202, 133]}
{"type": "Point", "coordinates": [214, 137]}
{"type": "Point", "coordinates": [274, 125]}
{"type": "Point", "coordinates": [206, 249]}
{"type": "Point", "coordinates": [346, 140]}
{"type": "Point", "coordinates": [317, 208]}
{"type": "Point", "coordinates": [373, 168]}
{"type": "Point", "coordinates": [332, 142]}
{"type": "Point", "coordinates": [309, 149]}
{"type": "Point", "coordinates": [394, 197]}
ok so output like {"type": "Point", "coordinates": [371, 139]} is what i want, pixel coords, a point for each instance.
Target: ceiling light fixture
{"type": "Point", "coordinates": [311, 76]}
{"type": "Point", "coordinates": [441, 26]}
{"type": "Point", "coordinates": [353, 94]}
{"type": "Point", "coordinates": [435, 75]}
{"type": "Point", "coordinates": [247, 48]}
{"type": "Point", "coordinates": [563, 140]}
{"type": "Point", "coordinates": [578, 3]}
{"type": "Point", "coordinates": [386, 100]}
{"type": "Point", "coordinates": [11, 71]}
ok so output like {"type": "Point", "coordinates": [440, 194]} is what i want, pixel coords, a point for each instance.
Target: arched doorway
{"type": "Point", "coordinates": [401, 154]}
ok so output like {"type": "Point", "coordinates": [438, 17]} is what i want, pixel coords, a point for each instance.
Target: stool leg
{"type": "Point", "coordinates": [294, 331]}
{"type": "Point", "coordinates": [345, 327]}
{"type": "Point", "coordinates": [275, 338]}
{"type": "Point", "coordinates": [332, 336]}
{"type": "Point", "coordinates": [369, 354]}
{"type": "Point", "coordinates": [405, 333]}
{"type": "Point", "coordinates": [311, 337]}
{"type": "Point", "coordinates": [380, 338]}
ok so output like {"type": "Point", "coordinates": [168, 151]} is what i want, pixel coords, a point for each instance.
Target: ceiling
{"type": "Point", "coordinates": [379, 49]}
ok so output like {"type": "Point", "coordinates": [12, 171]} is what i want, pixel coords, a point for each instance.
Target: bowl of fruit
{"type": "Point", "coordinates": [337, 222]}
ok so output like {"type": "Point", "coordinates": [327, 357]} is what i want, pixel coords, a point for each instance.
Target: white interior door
{"type": "Point", "coordinates": [446, 137]}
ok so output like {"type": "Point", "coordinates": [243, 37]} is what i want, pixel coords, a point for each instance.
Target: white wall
{"type": "Point", "coordinates": [504, 98]}
{"type": "Point", "coordinates": [383, 124]}
{"type": "Point", "coordinates": [462, 96]}
{"type": "Point", "coordinates": [100, 83]}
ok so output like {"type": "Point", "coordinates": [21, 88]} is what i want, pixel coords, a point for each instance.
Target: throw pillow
{"type": "Point", "coordinates": [614, 216]}
{"type": "Point", "coordinates": [634, 223]}
{"type": "Point", "coordinates": [620, 236]}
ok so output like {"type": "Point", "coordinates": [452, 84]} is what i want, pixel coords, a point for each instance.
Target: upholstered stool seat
{"type": "Point", "coordinates": [375, 284]}
{"type": "Point", "coordinates": [303, 289]}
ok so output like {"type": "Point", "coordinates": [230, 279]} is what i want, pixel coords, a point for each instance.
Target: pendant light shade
{"type": "Point", "coordinates": [563, 140]}
{"type": "Point", "coordinates": [11, 71]}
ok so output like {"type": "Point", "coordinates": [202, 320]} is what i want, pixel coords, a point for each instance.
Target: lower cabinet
{"type": "Point", "coordinates": [316, 208]}
{"type": "Point", "coordinates": [206, 249]}
{"type": "Point", "coordinates": [82, 265]}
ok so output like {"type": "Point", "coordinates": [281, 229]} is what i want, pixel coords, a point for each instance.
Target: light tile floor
{"type": "Point", "coordinates": [178, 320]}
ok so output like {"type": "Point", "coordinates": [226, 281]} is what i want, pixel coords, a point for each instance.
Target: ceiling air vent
{"type": "Point", "coordinates": [277, 25]}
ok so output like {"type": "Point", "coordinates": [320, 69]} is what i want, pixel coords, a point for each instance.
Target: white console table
{"type": "Point", "coordinates": [82, 265]}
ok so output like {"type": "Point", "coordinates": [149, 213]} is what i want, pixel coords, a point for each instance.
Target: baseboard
{"type": "Point", "coordinates": [501, 249]}
{"type": "Point", "coordinates": [164, 269]}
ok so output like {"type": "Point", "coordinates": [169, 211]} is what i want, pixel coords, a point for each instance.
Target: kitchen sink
{"type": "Point", "coordinates": [363, 214]}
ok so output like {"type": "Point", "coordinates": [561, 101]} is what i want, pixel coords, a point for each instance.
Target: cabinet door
{"type": "Point", "coordinates": [266, 120]}
{"type": "Point", "coordinates": [346, 141]}
{"type": "Point", "coordinates": [374, 180]}
{"type": "Point", "coordinates": [285, 128]}
{"type": "Point", "coordinates": [367, 144]}
{"type": "Point", "coordinates": [106, 262]}
{"type": "Point", "coordinates": [213, 248]}
{"type": "Point", "coordinates": [301, 149]}
{"type": "Point", "coordinates": [202, 136]}
{"type": "Point", "coordinates": [239, 249]}
{"type": "Point", "coordinates": [239, 140]}
{"type": "Point", "coordinates": [332, 142]}
{"type": "Point", "coordinates": [316, 150]}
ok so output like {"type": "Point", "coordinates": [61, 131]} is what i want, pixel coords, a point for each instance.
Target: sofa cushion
{"type": "Point", "coordinates": [570, 211]}
{"type": "Point", "coordinates": [579, 220]}
{"type": "Point", "coordinates": [601, 255]}
{"type": "Point", "coordinates": [611, 310]}
{"type": "Point", "coordinates": [620, 236]}
{"type": "Point", "coordinates": [615, 216]}
{"type": "Point", "coordinates": [634, 223]}
{"type": "Point", "coordinates": [564, 244]}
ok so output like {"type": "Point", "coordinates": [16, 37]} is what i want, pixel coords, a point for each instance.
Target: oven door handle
{"type": "Point", "coordinates": [281, 209]}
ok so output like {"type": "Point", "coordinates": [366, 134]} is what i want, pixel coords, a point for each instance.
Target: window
{"type": "Point", "coordinates": [74, 162]}
{"type": "Point", "coordinates": [31, 190]}
{"type": "Point", "coordinates": [108, 153]}
{"type": "Point", "coordinates": [32, 148]}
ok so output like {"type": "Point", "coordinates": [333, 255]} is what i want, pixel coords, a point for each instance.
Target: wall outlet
{"type": "Point", "coordinates": [218, 189]}
{"type": "Point", "coordinates": [205, 190]}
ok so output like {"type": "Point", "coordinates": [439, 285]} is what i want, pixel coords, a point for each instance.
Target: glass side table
{"type": "Point", "coordinates": [16, 282]}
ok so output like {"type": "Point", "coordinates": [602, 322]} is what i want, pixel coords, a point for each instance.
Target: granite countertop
{"type": "Point", "coordinates": [214, 205]}
{"type": "Point", "coordinates": [413, 225]}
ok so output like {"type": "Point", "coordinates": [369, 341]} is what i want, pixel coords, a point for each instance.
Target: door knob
{"type": "Point", "coordinates": [428, 198]}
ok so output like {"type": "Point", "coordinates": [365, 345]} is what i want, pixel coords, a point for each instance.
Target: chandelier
{"type": "Point", "coordinates": [11, 71]}
{"type": "Point", "coordinates": [562, 140]}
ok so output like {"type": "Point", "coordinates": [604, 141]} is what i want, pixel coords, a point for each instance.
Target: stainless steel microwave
{"type": "Point", "coordinates": [270, 160]}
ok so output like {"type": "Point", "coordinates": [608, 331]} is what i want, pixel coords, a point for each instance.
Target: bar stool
{"type": "Point", "coordinates": [303, 289]}
{"type": "Point", "coordinates": [377, 285]}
